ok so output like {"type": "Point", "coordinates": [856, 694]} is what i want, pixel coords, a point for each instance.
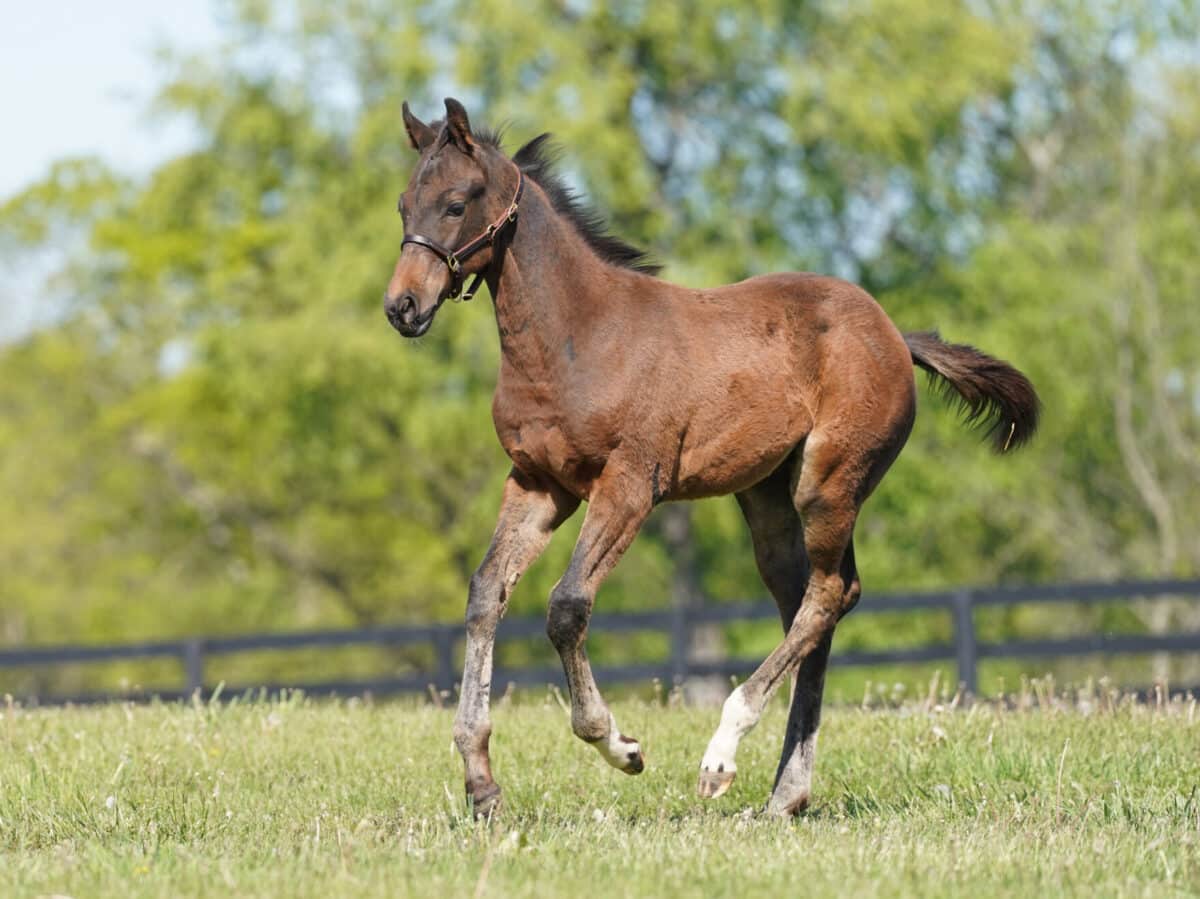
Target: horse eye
{"type": "Point", "coordinates": [455, 209]}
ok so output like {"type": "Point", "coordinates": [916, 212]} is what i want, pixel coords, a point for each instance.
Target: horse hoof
{"type": "Point", "coordinates": [486, 802]}
{"type": "Point", "coordinates": [714, 783]}
{"type": "Point", "coordinates": [635, 762]}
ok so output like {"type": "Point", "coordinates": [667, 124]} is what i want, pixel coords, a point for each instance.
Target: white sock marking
{"type": "Point", "coordinates": [615, 750]}
{"type": "Point", "coordinates": [737, 719]}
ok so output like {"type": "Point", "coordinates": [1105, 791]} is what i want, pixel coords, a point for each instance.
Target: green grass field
{"type": "Point", "coordinates": [302, 798]}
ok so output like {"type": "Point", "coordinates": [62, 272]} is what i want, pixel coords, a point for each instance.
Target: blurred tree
{"type": "Point", "coordinates": [222, 433]}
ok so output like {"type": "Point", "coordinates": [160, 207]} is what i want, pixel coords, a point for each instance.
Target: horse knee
{"type": "Point", "coordinates": [471, 736]}
{"type": "Point", "coordinates": [567, 618]}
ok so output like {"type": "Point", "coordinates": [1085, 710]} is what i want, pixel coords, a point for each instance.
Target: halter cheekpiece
{"type": "Point", "coordinates": [455, 258]}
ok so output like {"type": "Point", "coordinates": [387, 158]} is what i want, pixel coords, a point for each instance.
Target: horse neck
{"type": "Point", "coordinates": [549, 284]}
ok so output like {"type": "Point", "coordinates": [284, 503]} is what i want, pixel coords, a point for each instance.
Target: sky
{"type": "Point", "coordinates": [75, 78]}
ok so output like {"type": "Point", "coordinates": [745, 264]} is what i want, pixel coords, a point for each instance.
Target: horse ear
{"type": "Point", "coordinates": [420, 134]}
{"type": "Point", "coordinates": [458, 128]}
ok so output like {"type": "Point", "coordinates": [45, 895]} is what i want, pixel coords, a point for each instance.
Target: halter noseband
{"type": "Point", "coordinates": [455, 258]}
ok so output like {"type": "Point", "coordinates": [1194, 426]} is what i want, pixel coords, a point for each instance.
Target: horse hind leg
{"type": "Point", "coordinates": [831, 486]}
{"type": "Point", "coordinates": [793, 777]}
{"type": "Point", "coordinates": [783, 565]}
{"type": "Point", "coordinates": [816, 495]}
{"type": "Point", "coordinates": [778, 538]}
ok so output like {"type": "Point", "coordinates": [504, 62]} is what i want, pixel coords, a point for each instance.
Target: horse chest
{"type": "Point", "coordinates": [540, 439]}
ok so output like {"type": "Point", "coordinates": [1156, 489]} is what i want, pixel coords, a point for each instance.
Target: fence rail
{"type": "Point", "coordinates": [965, 649]}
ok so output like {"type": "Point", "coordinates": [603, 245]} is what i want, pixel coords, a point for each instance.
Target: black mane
{"type": "Point", "coordinates": [537, 160]}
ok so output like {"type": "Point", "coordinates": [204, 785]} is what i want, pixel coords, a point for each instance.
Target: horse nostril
{"type": "Point", "coordinates": [408, 308]}
{"type": "Point", "coordinates": [401, 311]}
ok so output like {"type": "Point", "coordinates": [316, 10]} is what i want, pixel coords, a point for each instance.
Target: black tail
{"type": "Point", "coordinates": [992, 394]}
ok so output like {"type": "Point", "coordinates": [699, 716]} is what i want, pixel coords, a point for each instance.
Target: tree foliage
{"type": "Point", "coordinates": [219, 431]}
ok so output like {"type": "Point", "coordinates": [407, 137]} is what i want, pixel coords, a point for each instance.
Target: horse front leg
{"type": "Point", "coordinates": [529, 514]}
{"type": "Point", "coordinates": [615, 513]}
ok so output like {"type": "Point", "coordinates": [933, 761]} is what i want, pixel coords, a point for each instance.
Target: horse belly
{"type": "Point", "coordinates": [734, 459]}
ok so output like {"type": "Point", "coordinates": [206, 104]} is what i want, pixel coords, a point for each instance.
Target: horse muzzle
{"type": "Point", "coordinates": [403, 313]}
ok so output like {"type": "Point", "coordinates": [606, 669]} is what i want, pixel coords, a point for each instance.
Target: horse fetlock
{"type": "Point", "coordinates": [592, 727]}
{"type": "Point", "coordinates": [471, 738]}
{"type": "Point", "coordinates": [622, 752]}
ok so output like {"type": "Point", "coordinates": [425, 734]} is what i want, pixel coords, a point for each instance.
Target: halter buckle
{"type": "Point", "coordinates": [452, 264]}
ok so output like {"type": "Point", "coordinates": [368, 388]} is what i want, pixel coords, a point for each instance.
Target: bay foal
{"type": "Point", "coordinates": [794, 392]}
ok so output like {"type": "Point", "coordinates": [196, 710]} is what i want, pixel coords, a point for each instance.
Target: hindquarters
{"type": "Point", "coordinates": [756, 369]}
{"type": "Point", "coordinates": [866, 398]}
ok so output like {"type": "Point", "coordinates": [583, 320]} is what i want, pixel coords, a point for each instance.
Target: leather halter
{"type": "Point", "coordinates": [455, 258]}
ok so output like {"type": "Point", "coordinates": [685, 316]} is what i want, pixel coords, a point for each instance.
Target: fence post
{"type": "Point", "coordinates": [681, 640]}
{"type": "Point", "coordinates": [193, 665]}
{"type": "Point", "coordinates": [443, 645]}
{"type": "Point", "coordinates": [685, 593]}
{"type": "Point", "coordinates": [966, 649]}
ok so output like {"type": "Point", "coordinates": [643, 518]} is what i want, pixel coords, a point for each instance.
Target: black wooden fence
{"type": "Point", "coordinates": [966, 650]}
